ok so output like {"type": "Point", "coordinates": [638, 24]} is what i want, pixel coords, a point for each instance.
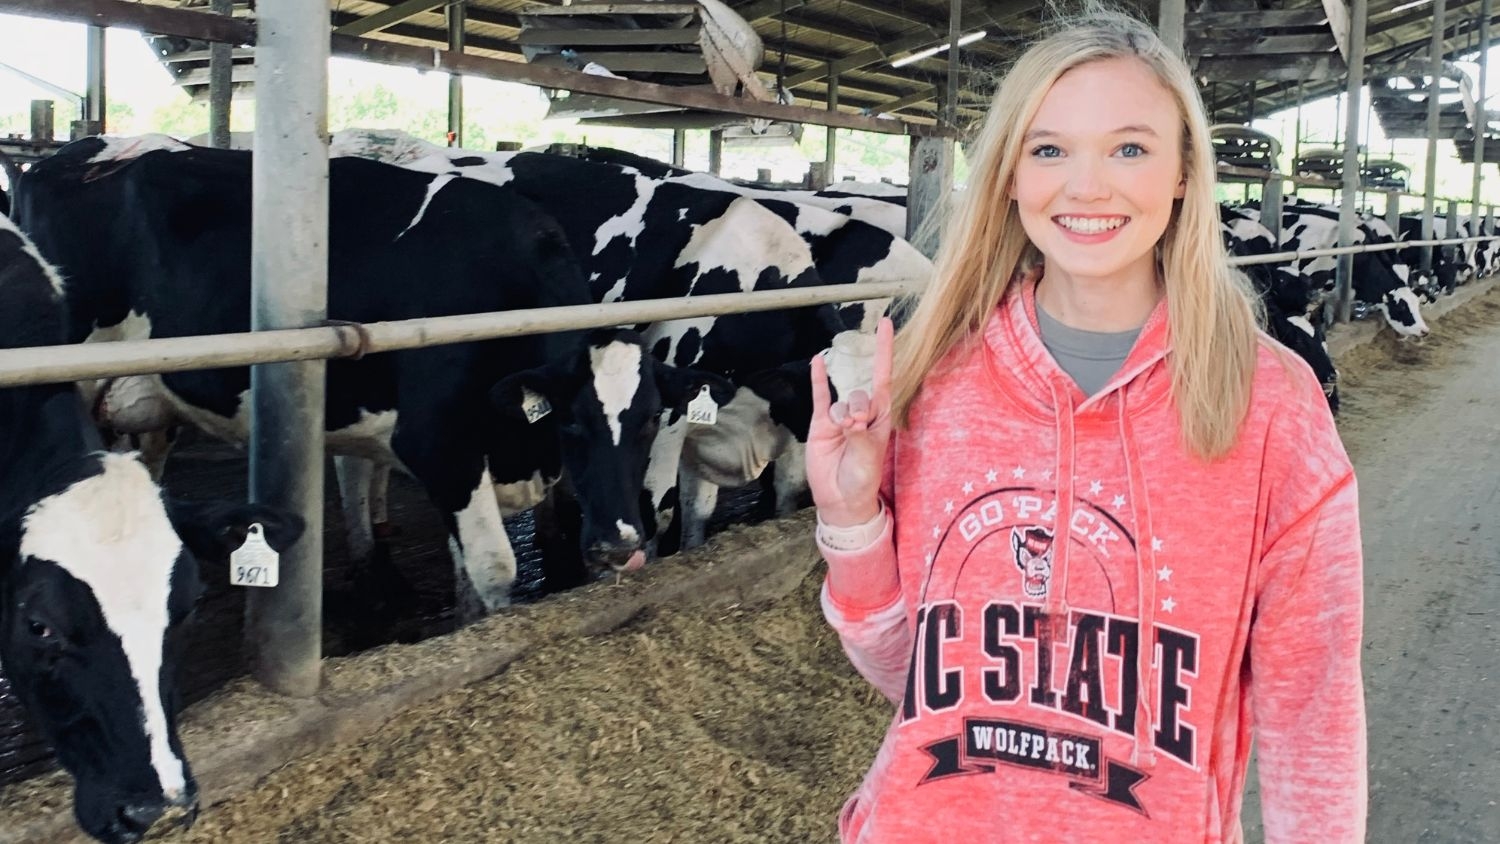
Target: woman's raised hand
{"type": "Point", "coordinates": [847, 441]}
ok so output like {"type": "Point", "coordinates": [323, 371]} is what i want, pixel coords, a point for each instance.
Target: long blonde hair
{"type": "Point", "coordinates": [984, 250]}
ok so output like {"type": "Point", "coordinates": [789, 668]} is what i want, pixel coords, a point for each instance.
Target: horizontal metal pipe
{"type": "Point", "coordinates": [78, 362]}
{"type": "Point", "coordinates": [49, 364]}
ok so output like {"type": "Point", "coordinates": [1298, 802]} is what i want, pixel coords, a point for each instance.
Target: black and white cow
{"type": "Point", "coordinates": [1451, 265]}
{"type": "Point", "coordinates": [640, 237]}
{"type": "Point", "coordinates": [98, 571]}
{"type": "Point", "coordinates": [159, 245]}
{"type": "Point", "coordinates": [1286, 297]}
{"type": "Point", "coordinates": [1381, 279]}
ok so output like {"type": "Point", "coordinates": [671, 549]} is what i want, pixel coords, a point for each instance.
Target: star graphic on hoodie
{"type": "Point", "coordinates": [1164, 574]}
{"type": "Point", "coordinates": [968, 487]}
{"type": "Point", "coordinates": [991, 476]}
{"type": "Point", "coordinates": [1046, 474]}
{"type": "Point", "coordinates": [1119, 501]}
{"type": "Point", "coordinates": [1095, 487]}
{"type": "Point", "coordinates": [1155, 544]}
{"type": "Point", "coordinates": [948, 507]}
{"type": "Point", "coordinates": [1018, 473]}
{"type": "Point", "coordinates": [936, 531]}
{"type": "Point", "coordinates": [1167, 604]}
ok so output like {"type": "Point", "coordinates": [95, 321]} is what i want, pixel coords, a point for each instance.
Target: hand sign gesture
{"type": "Point", "coordinates": [847, 441]}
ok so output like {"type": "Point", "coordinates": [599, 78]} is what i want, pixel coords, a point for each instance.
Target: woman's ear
{"type": "Point", "coordinates": [1181, 188]}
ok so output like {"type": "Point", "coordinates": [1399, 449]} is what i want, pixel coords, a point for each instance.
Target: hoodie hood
{"type": "Point", "coordinates": [1037, 384]}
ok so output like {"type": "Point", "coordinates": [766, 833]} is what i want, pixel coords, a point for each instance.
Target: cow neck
{"type": "Point", "coordinates": [45, 444]}
{"type": "Point", "coordinates": [1021, 366]}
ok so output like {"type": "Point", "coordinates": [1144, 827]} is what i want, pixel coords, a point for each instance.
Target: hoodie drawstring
{"type": "Point", "coordinates": [1144, 752]}
{"type": "Point", "coordinates": [1057, 596]}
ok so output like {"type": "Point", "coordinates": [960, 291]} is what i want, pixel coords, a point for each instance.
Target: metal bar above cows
{"type": "Point", "coordinates": [50, 364]}
{"type": "Point", "coordinates": [207, 27]}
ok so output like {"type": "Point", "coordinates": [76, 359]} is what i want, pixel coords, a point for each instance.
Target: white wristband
{"type": "Point", "coordinates": [856, 538]}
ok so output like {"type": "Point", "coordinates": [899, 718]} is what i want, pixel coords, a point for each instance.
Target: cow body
{"type": "Point", "coordinates": [168, 255]}
{"type": "Point", "coordinates": [1381, 279]}
{"type": "Point", "coordinates": [640, 237]}
{"type": "Point", "coordinates": [1286, 297]}
{"type": "Point", "coordinates": [97, 574]}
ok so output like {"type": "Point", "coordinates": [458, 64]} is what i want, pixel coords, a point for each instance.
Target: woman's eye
{"type": "Point", "coordinates": [1046, 151]}
{"type": "Point", "coordinates": [1132, 150]}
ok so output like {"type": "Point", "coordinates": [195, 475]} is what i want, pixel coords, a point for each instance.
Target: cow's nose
{"type": "Point", "coordinates": [616, 556]}
{"type": "Point", "coordinates": [138, 817]}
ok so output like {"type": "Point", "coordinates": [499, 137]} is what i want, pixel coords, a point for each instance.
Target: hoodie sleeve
{"type": "Point", "coordinates": [1307, 695]}
{"type": "Point", "coordinates": [862, 601]}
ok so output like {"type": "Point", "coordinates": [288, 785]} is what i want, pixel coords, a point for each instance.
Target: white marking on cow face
{"type": "Point", "coordinates": [30, 249]}
{"type": "Point", "coordinates": [122, 148]}
{"type": "Point", "coordinates": [482, 549]}
{"type": "Point", "coordinates": [745, 240]}
{"type": "Point", "coordinates": [1302, 324]}
{"type": "Point", "coordinates": [632, 221]}
{"type": "Point", "coordinates": [739, 447]}
{"type": "Point", "coordinates": [433, 187]}
{"type": "Point", "coordinates": [1417, 327]}
{"type": "Point", "coordinates": [617, 378]}
{"type": "Point", "coordinates": [627, 533]}
{"type": "Point", "coordinates": [521, 495]}
{"type": "Point", "coordinates": [111, 532]}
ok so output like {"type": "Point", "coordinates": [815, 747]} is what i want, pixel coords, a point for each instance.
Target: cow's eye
{"type": "Point", "coordinates": [39, 629]}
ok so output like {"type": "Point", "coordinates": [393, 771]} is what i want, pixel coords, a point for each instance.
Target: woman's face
{"type": "Point", "coordinates": [1100, 165]}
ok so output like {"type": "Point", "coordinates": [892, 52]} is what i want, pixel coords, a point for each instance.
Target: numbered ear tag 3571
{"type": "Point", "coordinates": [254, 563]}
{"type": "Point", "coordinates": [702, 410]}
{"type": "Point", "coordinates": [534, 405]}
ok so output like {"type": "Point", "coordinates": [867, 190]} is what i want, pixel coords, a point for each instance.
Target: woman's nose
{"type": "Point", "coordinates": [1087, 181]}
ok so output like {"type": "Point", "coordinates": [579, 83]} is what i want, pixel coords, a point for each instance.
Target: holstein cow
{"type": "Point", "coordinates": [1286, 297]}
{"type": "Point", "coordinates": [1451, 265]}
{"type": "Point", "coordinates": [159, 245]}
{"type": "Point", "coordinates": [644, 238]}
{"type": "Point", "coordinates": [98, 572]}
{"type": "Point", "coordinates": [1380, 278]}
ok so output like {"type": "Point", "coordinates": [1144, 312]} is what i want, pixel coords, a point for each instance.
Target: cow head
{"type": "Point", "coordinates": [98, 580]}
{"type": "Point", "coordinates": [606, 402]}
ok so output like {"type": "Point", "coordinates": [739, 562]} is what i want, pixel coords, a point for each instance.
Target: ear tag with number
{"type": "Point", "coordinates": [534, 405]}
{"type": "Point", "coordinates": [255, 563]}
{"type": "Point", "coordinates": [702, 410]}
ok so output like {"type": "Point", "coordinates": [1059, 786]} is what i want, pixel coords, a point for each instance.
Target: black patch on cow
{"type": "Point", "coordinates": [687, 347]}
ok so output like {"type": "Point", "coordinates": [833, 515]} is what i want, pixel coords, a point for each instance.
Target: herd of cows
{"type": "Point", "coordinates": [637, 427]}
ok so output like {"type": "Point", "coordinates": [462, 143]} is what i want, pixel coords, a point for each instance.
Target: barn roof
{"type": "Point", "coordinates": [1246, 51]}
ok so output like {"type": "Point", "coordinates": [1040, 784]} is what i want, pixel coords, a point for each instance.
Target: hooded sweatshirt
{"type": "Point", "coordinates": [1082, 626]}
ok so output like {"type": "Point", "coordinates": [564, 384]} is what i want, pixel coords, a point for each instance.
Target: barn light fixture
{"type": "Point", "coordinates": [932, 51]}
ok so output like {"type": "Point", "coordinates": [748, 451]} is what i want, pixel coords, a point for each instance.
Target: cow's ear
{"type": "Point", "coordinates": [212, 529]}
{"type": "Point", "coordinates": [788, 391]}
{"type": "Point", "coordinates": [678, 386]}
{"type": "Point", "coordinates": [528, 395]}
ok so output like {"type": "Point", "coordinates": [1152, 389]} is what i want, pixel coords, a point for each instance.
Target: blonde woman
{"type": "Point", "coordinates": [1097, 533]}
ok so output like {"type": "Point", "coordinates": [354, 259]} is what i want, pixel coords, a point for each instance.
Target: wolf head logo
{"type": "Point", "coordinates": [1032, 549]}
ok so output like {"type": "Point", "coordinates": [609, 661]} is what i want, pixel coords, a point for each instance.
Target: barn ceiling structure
{"type": "Point", "coordinates": [1252, 57]}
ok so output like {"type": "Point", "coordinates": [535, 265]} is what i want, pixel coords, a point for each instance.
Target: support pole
{"type": "Point", "coordinates": [831, 144]}
{"type": "Point", "coordinates": [456, 18]}
{"type": "Point", "coordinates": [1170, 23]}
{"type": "Point", "coordinates": [220, 83]}
{"type": "Point", "coordinates": [1358, 17]}
{"type": "Point", "coordinates": [955, 65]}
{"type": "Point", "coordinates": [1393, 211]}
{"type": "Point", "coordinates": [289, 288]}
{"type": "Point", "coordinates": [1270, 207]}
{"type": "Point", "coordinates": [1481, 115]}
{"type": "Point", "coordinates": [1297, 131]}
{"type": "Point", "coordinates": [1434, 80]}
{"type": "Point", "coordinates": [930, 182]}
{"type": "Point", "coordinates": [679, 147]}
{"type": "Point", "coordinates": [93, 98]}
{"type": "Point", "coordinates": [715, 151]}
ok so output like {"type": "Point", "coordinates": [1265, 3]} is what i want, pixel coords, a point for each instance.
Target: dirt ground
{"type": "Point", "coordinates": [749, 725]}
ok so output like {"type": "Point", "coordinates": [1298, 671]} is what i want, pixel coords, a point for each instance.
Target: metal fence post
{"type": "Point", "coordinates": [289, 275]}
{"type": "Point", "coordinates": [1434, 81]}
{"type": "Point", "coordinates": [1359, 15]}
{"type": "Point", "coordinates": [220, 82]}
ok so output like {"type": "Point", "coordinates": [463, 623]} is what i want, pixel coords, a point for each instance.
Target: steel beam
{"type": "Point", "coordinates": [94, 102]}
{"type": "Point", "coordinates": [220, 82]}
{"type": "Point", "coordinates": [1354, 38]}
{"type": "Point", "coordinates": [1483, 121]}
{"type": "Point", "coordinates": [1435, 73]}
{"type": "Point", "coordinates": [392, 15]}
{"type": "Point", "coordinates": [289, 289]}
{"type": "Point", "coordinates": [456, 21]}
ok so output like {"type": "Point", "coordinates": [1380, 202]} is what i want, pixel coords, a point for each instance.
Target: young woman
{"type": "Point", "coordinates": [1098, 533]}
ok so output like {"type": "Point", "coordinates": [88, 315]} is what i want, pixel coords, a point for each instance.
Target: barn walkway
{"type": "Point", "coordinates": [1425, 440]}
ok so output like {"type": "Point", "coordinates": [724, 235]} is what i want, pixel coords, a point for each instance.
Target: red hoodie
{"type": "Point", "coordinates": [1246, 571]}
